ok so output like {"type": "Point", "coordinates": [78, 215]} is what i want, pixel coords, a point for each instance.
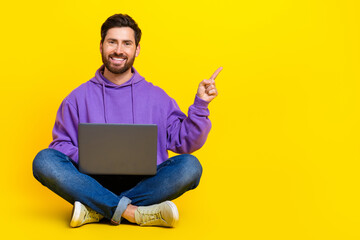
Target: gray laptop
{"type": "Point", "coordinates": [117, 149]}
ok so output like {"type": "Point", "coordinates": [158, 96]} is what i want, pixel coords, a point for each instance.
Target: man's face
{"type": "Point", "coordinates": [119, 50]}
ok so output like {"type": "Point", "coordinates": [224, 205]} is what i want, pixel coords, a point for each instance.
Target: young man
{"type": "Point", "coordinates": [118, 94]}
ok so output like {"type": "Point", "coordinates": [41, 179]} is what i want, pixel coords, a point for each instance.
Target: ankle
{"type": "Point", "coordinates": [129, 213]}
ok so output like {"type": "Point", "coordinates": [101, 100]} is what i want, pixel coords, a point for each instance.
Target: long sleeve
{"type": "Point", "coordinates": [188, 134]}
{"type": "Point", "coordinates": [65, 130]}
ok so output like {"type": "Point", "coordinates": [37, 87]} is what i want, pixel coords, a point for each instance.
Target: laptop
{"type": "Point", "coordinates": [117, 149]}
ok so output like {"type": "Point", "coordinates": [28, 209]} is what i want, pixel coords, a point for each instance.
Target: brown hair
{"type": "Point", "coordinates": [120, 20]}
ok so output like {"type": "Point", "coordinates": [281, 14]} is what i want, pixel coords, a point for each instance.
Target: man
{"type": "Point", "coordinates": [118, 94]}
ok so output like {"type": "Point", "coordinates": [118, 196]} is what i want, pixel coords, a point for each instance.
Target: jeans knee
{"type": "Point", "coordinates": [193, 168]}
{"type": "Point", "coordinates": [42, 162]}
{"type": "Point", "coordinates": [38, 162]}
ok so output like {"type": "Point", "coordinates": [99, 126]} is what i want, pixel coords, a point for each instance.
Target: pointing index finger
{"type": "Point", "coordinates": [216, 73]}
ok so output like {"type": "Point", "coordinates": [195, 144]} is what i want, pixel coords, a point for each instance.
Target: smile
{"type": "Point", "coordinates": [117, 60]}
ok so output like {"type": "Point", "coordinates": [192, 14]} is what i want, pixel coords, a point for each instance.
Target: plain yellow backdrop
{"type": "Point", "coordinates": [282, 159]}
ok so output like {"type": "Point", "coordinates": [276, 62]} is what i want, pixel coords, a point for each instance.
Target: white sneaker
{"type": "Point", "coordinates": [164, 214]}
{"type": "Point", "coordinates": [83, 214]}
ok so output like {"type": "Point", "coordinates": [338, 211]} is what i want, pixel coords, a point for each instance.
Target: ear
{"type": "Point", "coordinates": [137, 52]}
{"type": "Point", "coordinates": [101, 47]}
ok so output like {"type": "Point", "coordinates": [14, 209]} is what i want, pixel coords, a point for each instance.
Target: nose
{"type": "Point", "coordinates": [119, 49]}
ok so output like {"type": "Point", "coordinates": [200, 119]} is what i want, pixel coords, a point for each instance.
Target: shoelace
{"type": "Point", "coordinates": [91, 214]}
{"type": "Point", "coordinates": [150, 217]}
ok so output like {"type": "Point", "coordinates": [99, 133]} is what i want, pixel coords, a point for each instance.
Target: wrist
{"type": "Point", "coordinates": [200, 103]}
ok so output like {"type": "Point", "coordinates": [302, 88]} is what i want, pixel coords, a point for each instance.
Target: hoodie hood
{"type": "Point", "coordinates": [105, 83]}
{"type": "Point", "coordinates": [100, 79]}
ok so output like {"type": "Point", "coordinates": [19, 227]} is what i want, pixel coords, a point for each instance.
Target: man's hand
{"type": "Point", "coordinates": [207, 89]}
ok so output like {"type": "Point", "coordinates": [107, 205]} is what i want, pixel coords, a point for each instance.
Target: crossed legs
{"type": "Point", "coordinates": [59, 173]}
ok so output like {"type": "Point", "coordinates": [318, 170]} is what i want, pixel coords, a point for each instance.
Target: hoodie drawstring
{"type": "Point", "coordinates": [132, 100]}
{"type": "Point", "coordinates": [103, 90]}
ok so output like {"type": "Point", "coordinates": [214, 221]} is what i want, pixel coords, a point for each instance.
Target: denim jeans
{"type": "Point", "coordinates": [110, 195]}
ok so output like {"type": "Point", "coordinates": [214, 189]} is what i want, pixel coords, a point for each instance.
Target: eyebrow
{"type": "Point", "coordinates": [113, 39]}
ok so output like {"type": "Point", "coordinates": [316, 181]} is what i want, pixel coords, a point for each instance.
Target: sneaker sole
{"type": "Point", "coordinates": [76, 215]}
{"type": "Point", "coordinates": [175, 213]}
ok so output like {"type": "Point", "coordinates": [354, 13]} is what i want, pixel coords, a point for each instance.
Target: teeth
{"type": "Point", "coordinates": [119, 59]}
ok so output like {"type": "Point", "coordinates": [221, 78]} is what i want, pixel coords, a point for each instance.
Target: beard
{"type": "Point", "coordinates": [116, 69]}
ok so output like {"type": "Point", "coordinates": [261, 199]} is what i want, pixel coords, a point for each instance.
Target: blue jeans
{"type": "Point", "coordinates": [110, 195]}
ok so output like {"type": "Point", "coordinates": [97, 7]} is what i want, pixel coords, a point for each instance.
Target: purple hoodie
{"type": "Point", "coordinates": [134, 102]}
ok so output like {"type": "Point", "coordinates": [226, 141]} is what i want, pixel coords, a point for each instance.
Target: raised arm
{"type": "Point", "coordinates": [188, 134]}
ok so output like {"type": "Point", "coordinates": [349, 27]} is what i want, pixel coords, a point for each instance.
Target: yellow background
{"type": "Point", "coordinates": [282, 159]}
